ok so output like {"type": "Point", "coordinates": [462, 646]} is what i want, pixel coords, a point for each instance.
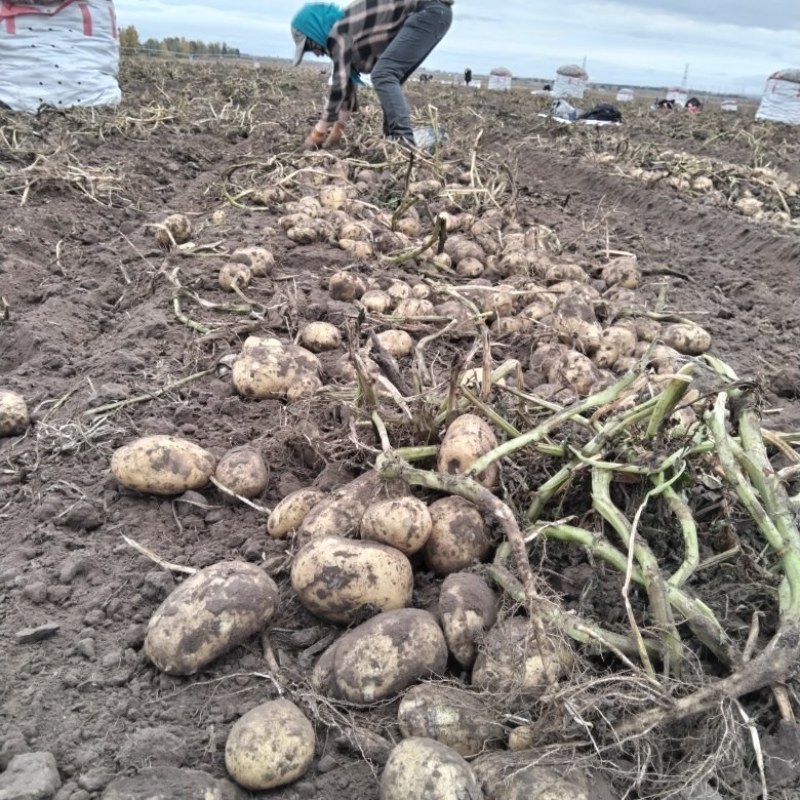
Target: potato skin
{"type": "Point", "coordinates": [519, 776]}
{"type": "Point", "coordinates": [467, 438]}
{"type": "Point", "coordinates": [14, 416]}
{"type": "Point", "coordinates": [458, 536]}
{"type": "Point", "coordinates": [467, 609]}
{"type": "Point", "coordinates": [211, 612]}
{"type": "Point", "coordinates": [162, 465]}
{"type": "Point", "coordinates": [336, 578]}
{"type": "Point", "coordinates": [266, 368]}
{"type": "Point", "coordinates": [289, 514]}
{"type": "Point", "coordinates": [271, 745]}
{"type": "Point", "coordinates": [403, 522]}
{"type": "Point", "coordinates": [243, 471]}
{"type": "Point", "coordinates": [690, 340]}
{"type": "Point", "coordinates": [387, 653]}
{"type": "Point", "coordinates": [422, 769]}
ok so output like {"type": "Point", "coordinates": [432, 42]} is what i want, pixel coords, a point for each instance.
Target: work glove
{"type": "Point", "coordinates": [335, 136]}
{"type": "Point", "coordinates": [316, 138]}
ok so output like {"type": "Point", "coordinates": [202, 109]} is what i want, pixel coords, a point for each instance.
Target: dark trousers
{"type": "Point", "coordinates": [421, 32]}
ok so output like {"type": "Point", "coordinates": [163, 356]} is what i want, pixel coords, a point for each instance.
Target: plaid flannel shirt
{"type": "Point", "coordinates": [357, 40]}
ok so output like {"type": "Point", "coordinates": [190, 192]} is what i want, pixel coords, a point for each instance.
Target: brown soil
{"type": "Point", "coordinates": [90, 321]}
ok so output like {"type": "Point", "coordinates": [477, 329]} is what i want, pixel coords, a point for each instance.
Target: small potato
{"type": "Point", "coordinates": [469, 268]}
{"type": "Point", "coordinates": [359, 250]}
{"type": "Point", "coordinates": [647, 330]}
{"type": "Point", "coordinates": [409, 226]}
{"type": "Point", "coordinates": [520, 776]}
{"type": "Point", "coordinates": [398, 290]}
{"type": "Point", "coordinates": [689, 339]}
{"type": "Point", "coordinates": [424, 769]}
{"type": "Point", "coordinates": [258, 259]}
{"type": "Point", "coordinates": [384, 655]}
{"type": "Point", "coordinates": [663, 359]}
{"type": "Point", "coordinates": [304, 234]}
{"type": "Point", "coordinates": [498, 304]}
{"type": "Point", "coordinates": [455, 717]}
{"type": "Point", "coordinates": [162, 465]}
{"type": "Point", "coordinates": [234, 275]}
{"type": "Point", "coordinates": [540, 308]}
{"type": "Point", "coordinates": [606, 355]}
{"type": "Point", "coordinates": [332, 196]}
{"type": "Point", "coordinates": [211, 612]}
{"type": "Point", "coordinates": [320, 336]}
{"type": "Point", "coordinates": [271, 745]}
{"type": "Point", "coordinates": [403, 523]}
{"type": "Point", "coordinates": [622, 338]}
{"type": "Point", "coordinates": [545, 357]}
{"type": "Point", "coordinates": [377, 301]}
{"type": "Point", "coordinates": [467, 609]}
{"type": "Point", "coordinates": [414, 307]}
{"type": "Point", "coordinates": [427, 188]}
{"type": "Point", "coordinates": [514, 262]}
{"type": "Point", "coordinates": [14, 416]}
{"type": "Point", "coordinates": [337, 579]}
{"type": "Point", "coordinates": [354, 231]}
{"type": "Point", "coordinates": [345, 286]}
{"type": "Point", "coordinates": [289, 514]}
{"type": "Point", "coordinates": [243, 471]}
{"type": "Point", "coordinates": [576, 371]}
{"type": "Point", "coordinates": [295, 219]}
{"type": "Point", "coordinates": [467, 438]}
{"type": "Point", "coordinates": [515, 663]}
{"type": "Point", "coordinates": [458, 536]}
{"type": "Point", "coordinates": [459, 247]}
{"type": "Point", "coordinates": [396, 343]}
{"type": "Point", "coordinates": [442, 261]}
{"type": "Point", "coordinates": [622, 271]}
{"type": "Point", "coordinates": [177, 228]}
{"type": "Point", "coordinates": [508, 326]}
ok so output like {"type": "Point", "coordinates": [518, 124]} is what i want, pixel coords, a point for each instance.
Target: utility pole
{"type": "Point", "coordinates": [685, 84]}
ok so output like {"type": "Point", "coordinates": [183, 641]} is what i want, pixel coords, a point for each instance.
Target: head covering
{"type": "Point", "coordinates": [312, 25]}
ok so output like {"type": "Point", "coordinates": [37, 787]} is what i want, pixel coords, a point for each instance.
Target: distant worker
{"type": "Point", "coordinates": [387, 39]}
{"type": "Point", "coordinates": [467, 76]}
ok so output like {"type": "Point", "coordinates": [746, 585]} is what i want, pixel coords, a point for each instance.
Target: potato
{"type": "Point", "coordinates": [234, 275]}
{"type": "Point", "coordinates": [332, 196]}
{"type": "Point", "coordinates": [520, 776]}
{"type": "Point", "coordinates": [469, 268]}
{"type": "Point", "coordinates": [575, 323]}
{"type": "Point", "coordinates": [396, 343]}
{"type": "Point", "coordinates": [382, 656]}
{"type": "Point", "coordinates": [354, 231]}
{"type": "Point", "coordinates": [576, 371]}
{"type": "Point", "coordinates": [320, 336]}
{"type": "Point", "coordinates": [408, 226]}
{"type": "Point", "coordinates": [663, 359]}
{"type": "Point", "coordinates": [442, 261]}
{"type": "Point", "coordinates": [625, 364]}
{"type": "Point", "coordinates": [459, 247]}
{"type": "Point", "coordinates": [211, 612]}
{"type": "Point", "coordinates": [512, 661]}
{"type": "Point", "coordinates": [337, 579]}
{"type": "Point", "coordinates": [508, 326]}
{"type": "Point", "coordinates": [414, 307]}
{"type": "Point", "coordinates": [271, 745]}
{"type": "Point", "coordinates": [424, 769]}
{"type": "Point", "coordinates": [689, 339]}
{"type": "Point", "coordinates": [622, 338]}
{"type": "Point", "coordinates": [345, 286]}
{"type": "Point", "coordinates": [243, 471]}
{"type": "Point", "coordinates": [359, 250]}
{"type": "Point", "coordinates": [175, 228]}
{"type": "Point", "coordinates": [456, 311]}
{"type": "Point", "coordinates": [467, 609]}
{"type": "Point", "coordinates": [295, 219]}
{"type": "Point", "coordinates": [458, 537]}
{"type": "Point", "coordinates": [289, 514]}
{"type": "Point", "coordinates": [513, 263]}
{"type": "Point", "coordinates": [426, 188]}
{"type": "Point", "coordinates": [467, 438]}
{"type": "Point", "coordinates": [377, 301]}
{"type": "Point", "coordinates": [14, 416]}
{"type": "Point", "coordinates": [305, 234]}
{"type": "Point", "coordinates": [606, 355]}
{"type": "Point", "coordinates": [403, 523]}
{"type": "Point", "coordinates": [455, 717]}
{"type": "Point", "coordinates": [584, 291]}
{"type": "Point", "coordinates": [622, 271]}
{"type": "Point", "coordinates": [647, 330]}
{"type": "Point", "coordinates": [266, 368]}
{"type": "Point", "coordinates": [540, 308]}
{"type": "Point", "coordinates": [163, 465]}
{"type": "Point", "coordinates": [258, 259]}
{"type": "Point", "coordinates": [498, 303]}
{"type": "Point", "coordinates": [565, 271]}
{"type": "Point", "coordinates": [398, 290]}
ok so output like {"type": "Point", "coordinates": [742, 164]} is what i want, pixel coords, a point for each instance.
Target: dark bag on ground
{"type": "Point", "coordinates": [604, 112]}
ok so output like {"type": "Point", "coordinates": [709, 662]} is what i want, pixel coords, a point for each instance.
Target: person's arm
{"type": "Point", "coordinates": [340, 51]}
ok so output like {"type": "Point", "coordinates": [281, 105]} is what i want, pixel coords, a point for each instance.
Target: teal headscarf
{"type": "Point", "coordinates": [315, 21]}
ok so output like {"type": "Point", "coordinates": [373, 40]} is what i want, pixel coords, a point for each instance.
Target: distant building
{"type": "Point", "coordinates": [625, 95]}
{"type": "Point", "coordinates": [781, 99]}
{"type": "Point", "coordinates": [500, 78]}
{"type": "Point", "coordinates": [570, 81]}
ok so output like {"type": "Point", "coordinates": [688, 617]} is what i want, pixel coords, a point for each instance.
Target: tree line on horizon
{"type": "Point", "coordinates": [173, 45]}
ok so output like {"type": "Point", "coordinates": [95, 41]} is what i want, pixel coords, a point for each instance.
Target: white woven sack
{"type": "Point", "coordinates": [63, 54]}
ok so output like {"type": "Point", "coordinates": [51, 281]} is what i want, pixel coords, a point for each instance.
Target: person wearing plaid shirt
{"type": "Point", "coordinates": [386, 39]}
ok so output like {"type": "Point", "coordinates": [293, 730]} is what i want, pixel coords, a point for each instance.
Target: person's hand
{"type": "Point", "coordinates": [316, 138]}
{"type": "Point", "coordinates": [335, 136]}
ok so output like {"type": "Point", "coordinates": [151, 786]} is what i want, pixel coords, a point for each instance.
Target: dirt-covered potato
{"type": "Point", "coordinates": [468, 437]}
{"type": "Point", "coordinates": [403, 523]}
{"type": "Point", "coordinates": [565, 271]}
{"type": "Point", "coordinates": [539, 308]}
{"type": "Point", "coordinates": [271, 745]}
{"type": "Point", "coordinates": [305, 234]}
{"type": "Point", "coordinates": [576, 371]}
{"type": "Point", "coordinates": [377, 301]}
{"type": "Point", "coordinates": [622, 338]}
{"type": "Point", "coordinates": [414, 307]}
{"type": "Point", "coordinates": [243, 471]}
{"type": "Point", "coordinates": [689, 339]}
{"type": "Point", "coordinates": [575, 323]}
{"type": "Point", "coordinates": [621, 271]}
{"type": "Point", "coordinates": [458, 537]}
{"type": "Point", "coordinates": [397, 343]}
{"type": "Point", "coordinates": [235, 275]}
{"type": "Point", "coordinates": [163, 465]}
{"type": "Point", "coordinates": [513, 662]}
{"type": "Point", "coordinates": [266, 368]}
{"type": "Point", "coordinates": [508, 326]}
{"type": "Point", "coordinates": [460, 247]}
{"type": "Point", "coordinates": [211, 612]}
{"type": "Point", "coordinates": [519, 776]}
{"type": "Point", "coordinates": [289, 514]}
{"type": "Point", "coordinates": [663, 359]}
{"type": "Point", "coordinates": [398, 290]}
{"type": "Point", "coordinates": [423, 769]}
{"type": "Point", "coordinates": [358, 249]}
{"type": "Point", "coordinates": [450, 715]}
{"type": "Point", "coordinates": [647, 330]}
{"type": "Point", "coordinates": [258, 259]}
{"type": "Point", "coordinates": [332, 196]}
{"type": "Point", "coordinates": [320, 336]}
{"type": "Point", "coordinates": [345, 286]}
{"type": "Point", "coordinates": [382, 656]}
{"type": "Point", "coordinates": [470, 267]}
{"type": "Point", "coordinates": [467, 609]}
{"type": "Point", "coordinates": [175, 228]}
{"type": "Point", "coordinates": [14, 416]}
{"type": "Point", "coordinates": [337, 578]}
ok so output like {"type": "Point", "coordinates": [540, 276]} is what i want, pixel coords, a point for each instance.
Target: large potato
{"type": "Point", "coordinates": [424, 769]}
{"type": "Point", "coordinates": [404, 523]}
{"type": "Point", "coordinates": [467, 438]}
{"type": "Point", "coordinates": [337, 578]}
{"type": "Point", "coordinates": [385, 655]}
{"type": "Point", "coordinates": [320, 336]}
{"type": "Point", "coordinates": [163, 465]}
{"type": "Point", "coordinates": [455, 717]}
{"type": "Point", "coordinates": [518, 776]}
{"type": "Point", "coordinates": [14, 416]}
{"type": "Point", "coordinates": [458, 536]}
{"type": "Point", "coordinates": [266, 368]}
{"type": "Point", "coordinates": [689, 339]}
{"type": "Point", "coordinates": [575, 323]}
{"type": "Point", "coordinates": [258, 259]}
{"type": "Point", "coordinates": [211, 612]}
{"type": "Point", "coordinates": [515, 663]}
{"type": "Point", "coordinates": [271, 745]}
{"type": "Point", "coordinates": [467, 609]}
{"type": "Point", "coordinates": [622, 271]}
{"type": "Point", "coordinates": [397, 343]}
{"type": "Point", "coordinates": [289, 514]}
{"type": "Point", "coordinates": [243, 471]}
{"type": "Point", "coordinates": [576, 371]}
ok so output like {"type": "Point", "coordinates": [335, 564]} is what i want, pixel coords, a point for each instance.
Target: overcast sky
{"type": "Point", "coordinates": [730, 45]}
